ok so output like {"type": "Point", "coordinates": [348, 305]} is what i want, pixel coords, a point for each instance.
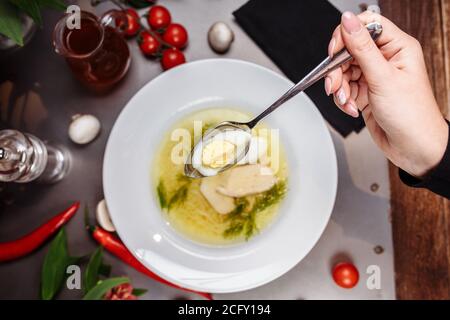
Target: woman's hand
{"type": "Point", "coordinates": [388, 83]}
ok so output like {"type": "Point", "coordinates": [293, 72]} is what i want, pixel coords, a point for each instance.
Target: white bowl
{"type": "Point", "coordinates": [133, 205]}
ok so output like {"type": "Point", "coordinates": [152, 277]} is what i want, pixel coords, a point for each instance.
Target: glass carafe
{"type": "Point", "coordinates": [25, 158]}
{"type": "Point", "coordinates": [96, 52]}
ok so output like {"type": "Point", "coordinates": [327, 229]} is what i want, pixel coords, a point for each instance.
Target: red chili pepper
{"type": "Point", "coordinates": [30, 242]}
{"type": "Point", "coordinates": [113, 244]}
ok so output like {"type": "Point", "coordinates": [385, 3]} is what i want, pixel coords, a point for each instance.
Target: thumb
{"type": "Point", "coordinates": [363, 49]}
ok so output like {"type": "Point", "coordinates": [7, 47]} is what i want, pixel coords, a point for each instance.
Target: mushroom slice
{"type": "Point", "coordinates": [221, 203]}
{"type": "Point", "coordinates": [243, 181]}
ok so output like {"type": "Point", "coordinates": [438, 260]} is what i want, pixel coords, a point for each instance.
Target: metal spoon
{"type": "Point", "coordinates": [329, 64]}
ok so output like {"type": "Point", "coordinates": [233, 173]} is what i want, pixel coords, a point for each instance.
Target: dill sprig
{"type": "Point", "coordinates": [250, 226]}
{"type": "Point", "coordinates": [235, 229]}
{"type": "Point", "coordinates": [238, 219]}
{"type": "Point", "coordinates": [270, 197]}
{"type": "Point", "coordinates": [161, 190]}
{"type": "Point", "coordinates": [241, 222]}
{"type": "Point", "coordinates": [245, 222]}
{"type": "Point", "coordinates": [178, 197]}
{"type": "Point", "coordinates": [241, 205]}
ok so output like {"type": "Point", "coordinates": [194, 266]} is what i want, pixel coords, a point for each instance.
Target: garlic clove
{"type": "Point", "coordinates": [220, 37]}
{"type": "Point", "coordinates": [84, 128]}
{"type": "Point", "coordinates": [103, 217]}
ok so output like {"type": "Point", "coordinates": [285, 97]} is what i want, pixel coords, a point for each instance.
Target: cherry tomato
{"type": "Point", "coordinates": [345, 275]}
{"type": "Point", "coordinates": [132, 13]}
{"type": "Point", "coordinates": [133, 25]}
{"type": "Point", "coordinates": [158, 18]}
{"type": "Point", "coordinates": [176, 35]}
{"type": "Point", "coordinates": [171, 58]}
{"type": "Point", "coordinates": [149, 44]}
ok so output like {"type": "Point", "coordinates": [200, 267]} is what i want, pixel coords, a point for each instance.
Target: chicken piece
{"type": "Point", "coordinates": [242, 181]}
{"type": "Point", "coordinates": [221, 203]}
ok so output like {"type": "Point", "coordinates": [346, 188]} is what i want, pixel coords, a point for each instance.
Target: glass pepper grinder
{"type": "Point", "coordinates": [25, 158]}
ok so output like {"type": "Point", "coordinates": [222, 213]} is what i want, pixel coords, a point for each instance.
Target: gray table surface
{"type": "Point", "coordinates": [39, 95]}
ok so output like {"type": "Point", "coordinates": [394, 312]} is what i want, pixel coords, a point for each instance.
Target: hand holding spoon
{"type": "Point", "coordinates": [328, 65]}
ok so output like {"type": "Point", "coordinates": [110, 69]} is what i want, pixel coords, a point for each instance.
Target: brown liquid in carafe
{"type": "Point", "coordinates": [97, 64]}
{"type": "Point", "coordinates": [84, 40]}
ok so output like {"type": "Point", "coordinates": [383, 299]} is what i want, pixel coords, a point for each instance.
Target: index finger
{"type": "Point", "coordinates": [390, 32]}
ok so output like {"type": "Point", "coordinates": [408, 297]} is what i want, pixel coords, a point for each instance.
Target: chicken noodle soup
{"type": "Point", "coordinates": [228, 208]}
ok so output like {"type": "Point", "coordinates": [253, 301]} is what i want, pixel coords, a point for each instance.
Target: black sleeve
{"type": "Point", "coordinates": [439, 179]}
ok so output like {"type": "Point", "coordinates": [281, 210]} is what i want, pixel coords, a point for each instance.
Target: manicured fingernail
{"type": "Point", "coordinates": [328, 85]}
{"type": "Point", "coordinates": [352, 110]}
{"type": "Point", "coordinates": [351, 23]}
{"type": "Point", "coordinates": [342, 98]}
{"type": "Point", "coordinates": [331, 47]}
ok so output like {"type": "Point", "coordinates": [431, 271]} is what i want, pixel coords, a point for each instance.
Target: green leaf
{"type": "Point", "coordinates": [10, 24]}
{"type": "Point", "coordinates": [55, 264]}
{"type": "Point", "coordinates": [139, 292]}
{"type": "Point", "coordinates": [31, 8]}
{"type": "Point", "coordinates": [53, 4]}
{"type": "Point", "coordinates": [91, 275]}
{"type": "Point", "coordinates": [103, 286]}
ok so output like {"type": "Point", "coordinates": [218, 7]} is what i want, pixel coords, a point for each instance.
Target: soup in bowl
{"type": "Point", "coordinates": [228, 208]}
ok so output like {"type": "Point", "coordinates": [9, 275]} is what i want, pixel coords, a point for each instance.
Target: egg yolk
{"type": "Point", "coordinates": [218, 154]}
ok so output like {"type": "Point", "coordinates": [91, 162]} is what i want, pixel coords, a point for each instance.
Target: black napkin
{"type": "Point", "coordinates": [295, 35]}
